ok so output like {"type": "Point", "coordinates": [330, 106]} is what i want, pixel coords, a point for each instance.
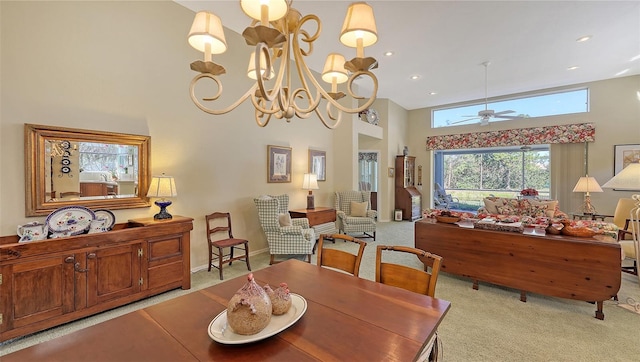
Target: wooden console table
{"type": "Point", "coordinates": [555, 265]}
{"type": "Point", "coordinates": [321, 219]}
{"type": "Point", "coordinates": [50, 282]}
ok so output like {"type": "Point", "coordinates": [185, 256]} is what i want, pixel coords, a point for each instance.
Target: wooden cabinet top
{"type": "Point", "coordinates": [135, 229]}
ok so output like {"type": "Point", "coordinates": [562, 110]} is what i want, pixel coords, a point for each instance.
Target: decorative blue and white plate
{"type": "Point", "coordinates": [75, 219]}
{"type": "Point", "coordinates": [107, 215]}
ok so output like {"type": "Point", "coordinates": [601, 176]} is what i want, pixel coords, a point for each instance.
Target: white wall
{"type": "Point", "coordinates": [124, 67]}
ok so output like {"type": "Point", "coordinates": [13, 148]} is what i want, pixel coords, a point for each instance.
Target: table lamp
{"type": "Point", "coordinates": [310, 182]}
{"type": "Point", "coordinates": [162, 186]}
{"type": "Point", "coordinates": [587, 184]}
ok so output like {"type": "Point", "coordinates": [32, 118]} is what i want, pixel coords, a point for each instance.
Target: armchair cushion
{"type": "Point", "coordinates": [284, 219]}
{"type": "Point", "coordinates": [359, 209]}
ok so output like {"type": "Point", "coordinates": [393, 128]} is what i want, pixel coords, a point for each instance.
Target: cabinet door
{"type": "Point", "coordinates": [113, 272]}
{"type": "Point", "coordinates": [39, 290]}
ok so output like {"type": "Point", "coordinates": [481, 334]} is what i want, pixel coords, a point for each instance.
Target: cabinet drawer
{"type": "Point", "coordinates": [165, 274]}
{"type": "Point", "coordinates": [160, 249]}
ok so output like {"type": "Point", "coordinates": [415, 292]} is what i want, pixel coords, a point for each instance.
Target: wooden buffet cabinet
{"type": "Point", "coordinates": [50, 282]}
{"type": "Point", "coordinates": [407, 197]}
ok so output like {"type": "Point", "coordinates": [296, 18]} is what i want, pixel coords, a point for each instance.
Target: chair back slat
{"type": "Point", "coordinates": [412, 279]}
{"type": "Point", "coordinates": [339, 259]}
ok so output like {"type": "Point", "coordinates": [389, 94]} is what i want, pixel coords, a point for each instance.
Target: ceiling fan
{"type": "Point", "coordinates": [485, 115]}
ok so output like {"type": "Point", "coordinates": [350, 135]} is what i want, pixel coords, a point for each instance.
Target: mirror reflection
{"type": "Point", "coordinates": [89, 170]}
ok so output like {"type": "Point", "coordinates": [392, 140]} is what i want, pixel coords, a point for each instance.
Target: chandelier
{"type": "Point", "coordinates": [277, 32]}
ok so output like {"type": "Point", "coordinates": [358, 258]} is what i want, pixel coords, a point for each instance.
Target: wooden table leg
{"type": "Point", "coordinates": [475, 284]}
{"type": "Point", "coordinates": [599, 313]}
{"type": "Point", "coordinates": [523, 296]}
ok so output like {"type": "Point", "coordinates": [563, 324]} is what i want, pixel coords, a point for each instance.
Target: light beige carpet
{"type": "Point", "coordinates": [489, 324]}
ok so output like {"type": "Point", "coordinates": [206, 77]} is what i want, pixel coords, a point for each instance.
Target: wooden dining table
{"type": "Point", "coordinates": [347, 318]}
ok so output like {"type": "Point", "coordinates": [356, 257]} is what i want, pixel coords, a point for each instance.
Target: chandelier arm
{"type": "Point", "coordinates": [324, 121]}
{"type": "Point", "coordinates": [259, 117]}
{"type": "Point", "coordinates": [203, 108]}
{"type": "Point", "coordinates": [262, 48]}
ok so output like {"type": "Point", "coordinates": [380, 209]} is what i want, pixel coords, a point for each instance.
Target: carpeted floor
{"type": "Point", "coordinates": [489, 324]}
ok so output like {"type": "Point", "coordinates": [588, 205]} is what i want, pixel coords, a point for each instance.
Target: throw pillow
{"type": "Point", "coordinates": [551, 206]}
{"type": "Point", "coordinates": [490, 206]}
{"type": "Point", "coordinates": [359, 209]}
{"type": "Point", "coordinates": [284, 219]}
{"type": "Point", "coordinates": [538, 210]}
{"type": "Point", "coordinates": [507, 210]}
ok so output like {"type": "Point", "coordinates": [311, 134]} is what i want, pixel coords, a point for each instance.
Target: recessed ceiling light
{"type": "Point", "coordinates": [583, 38]}
{"type": "Point", "coordinates": [432, 93]}
{"type": "Point", "coordinates": [388, 54]}
{"type": "Point", "coordinates": [574, 67]}
{"type": "Point", "coordinates": [635, 58]}
{"type": "Point", "coordinates": [414, 77]}
{"type": "Point", "coordinates": [622, 72]}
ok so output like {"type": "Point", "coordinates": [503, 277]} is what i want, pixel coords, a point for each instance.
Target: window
{"type": "Point", "coordinates": [573, 101]}
{"type": "Point", "coordinates": [471, 175]}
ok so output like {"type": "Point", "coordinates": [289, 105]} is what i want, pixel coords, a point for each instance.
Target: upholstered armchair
{"type": "Point", "coordinates": [285, 236]}
{"type": "Point", "coordinates": [353, 215]}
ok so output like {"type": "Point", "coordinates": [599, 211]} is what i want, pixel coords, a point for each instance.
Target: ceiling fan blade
{"type": "Point", "coordinates": [503, 112]}
{"type": "Point", "coordinates": [509, 117]}
{"type": "Point", "coordinates": [464, 120]}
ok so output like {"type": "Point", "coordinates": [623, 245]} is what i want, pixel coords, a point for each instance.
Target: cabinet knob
{"type": "Point", "coordinates": [91, 256]}
{"type": "Point", "coordinates": [69, 259]}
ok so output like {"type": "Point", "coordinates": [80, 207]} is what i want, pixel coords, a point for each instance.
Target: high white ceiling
{"type": "Point", "coordinates": [530, 44]}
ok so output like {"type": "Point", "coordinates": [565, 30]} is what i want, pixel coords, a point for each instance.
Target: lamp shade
{"type": "Point", "coordinates": [276, 9]}
{"type": "Point", "coordinates": [251, 70]}
{"type": "Point", "coordinates": [207, 29]}
{"type": "Point", "coordinates": [310, 181]}
{"type": "Point", "coordinates": [627, 179]}
{"type": "Point", "coordinates": [587, 184]}
{"type": "Point", "coordinates": [359, 23]}
{"type": "Point", "coordinates": [334, 68]}
{"type": "Point", "coordinates": [162, 186]}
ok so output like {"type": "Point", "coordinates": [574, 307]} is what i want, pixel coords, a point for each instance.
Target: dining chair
{"type": "Point", "coordinates": [412, 279]}
{"type": "Point", "coordinates": [216, 226]}
{"type": "Point", "coordinates": [415, 280]}
{"type": "Point", "coordinates": [339, 259]}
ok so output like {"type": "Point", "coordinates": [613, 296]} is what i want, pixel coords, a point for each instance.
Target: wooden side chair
{"type": "Point", "coordinates": [216, 247]}
{"type": "Point", "coordinates": [339, 259]}
{"type": "Point", "coordinates": [415, 280]}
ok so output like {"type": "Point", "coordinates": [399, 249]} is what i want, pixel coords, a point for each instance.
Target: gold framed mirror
{"type": "Point", "coordinates": [95, 169]}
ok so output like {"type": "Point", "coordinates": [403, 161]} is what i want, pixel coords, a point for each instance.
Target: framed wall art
{"type": "Point", "coordinates": [318, 164]}
{"type": "Point", "coordinates": [623, 155]}
{"type": "Point", "coordinates": [278, 164]}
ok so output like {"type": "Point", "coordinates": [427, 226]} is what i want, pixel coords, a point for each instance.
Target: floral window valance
{"type": "Point", "coordinates": [569, 133]}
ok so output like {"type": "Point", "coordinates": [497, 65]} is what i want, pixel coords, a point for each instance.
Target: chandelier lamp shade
{"type": "Point", "coordinates": [310, 182]}
{"type": "Point", "coordinates": [282, 38]}
{"type": "Point", "coordinates": [587, 184]}
{"type": "Point", "coordinates": [161, 187]}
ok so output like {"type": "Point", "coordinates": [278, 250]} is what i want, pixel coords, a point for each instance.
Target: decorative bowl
{"type": "Point", "coordinates": [447, 219]}
{"type": "Point", "coordinates": [578, 231]}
